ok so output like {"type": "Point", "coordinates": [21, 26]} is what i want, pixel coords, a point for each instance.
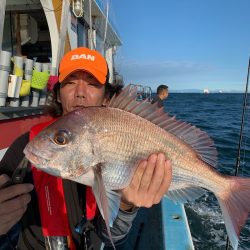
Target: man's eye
{"type": "Point", "coordinates": [67, 83]}
{"type": "Point", "coordinates": [94, 84]}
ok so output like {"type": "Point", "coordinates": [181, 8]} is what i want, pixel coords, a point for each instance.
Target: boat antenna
{"type": "Point", "coordinates": [237, 165]}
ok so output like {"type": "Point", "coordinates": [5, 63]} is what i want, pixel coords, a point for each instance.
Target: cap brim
{"type": "Point", "coordinates": [94, 72]}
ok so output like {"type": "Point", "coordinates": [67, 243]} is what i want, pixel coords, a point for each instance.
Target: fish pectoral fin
{"type": "Point", "coordinates": [108, 202]}
{"type": "Point", "coordinates": [114, 199]}
{"type": "Point", "coordinates": [185, 194]}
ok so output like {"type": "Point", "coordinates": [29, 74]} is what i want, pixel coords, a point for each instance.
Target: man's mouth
{"type": "Point", "coordinates": [78, 107]}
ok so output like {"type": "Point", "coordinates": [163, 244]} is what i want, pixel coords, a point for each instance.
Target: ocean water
{"type": "Point", "coordinates": [220, 116]}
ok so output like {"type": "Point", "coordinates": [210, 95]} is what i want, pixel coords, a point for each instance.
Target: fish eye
{"type": "Point", "coordinates": [61, 137]}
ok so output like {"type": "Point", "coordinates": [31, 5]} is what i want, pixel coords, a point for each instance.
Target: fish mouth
{"type": "Point", "coordinates": [41, 163]}
{"type": "Point", "coordinates": [38, 160]}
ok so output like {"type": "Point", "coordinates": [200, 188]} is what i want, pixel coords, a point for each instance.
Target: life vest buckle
{"type": "Point", "coordinates": [83, 226]}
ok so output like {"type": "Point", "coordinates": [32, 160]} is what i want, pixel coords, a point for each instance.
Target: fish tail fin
{"type": "Point", "coordinates": [235, 206]}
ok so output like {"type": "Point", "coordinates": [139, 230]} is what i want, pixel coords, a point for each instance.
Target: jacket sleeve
{"type": "Point", "coordinates": [9, 241]}
{"type": "Point", "coordinates": [119, 231]}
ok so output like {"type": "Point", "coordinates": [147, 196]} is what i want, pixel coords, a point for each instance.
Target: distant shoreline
{"type": "Point", "coordinates": [201, 92]}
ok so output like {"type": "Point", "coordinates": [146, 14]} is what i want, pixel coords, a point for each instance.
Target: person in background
{"type": "Point", "coordinates": [64, 205]}
{"type": "Point", "coordinates": [162, 94]}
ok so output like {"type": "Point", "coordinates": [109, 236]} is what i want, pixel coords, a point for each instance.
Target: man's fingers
{"type": "Point", "coordinates": [4, 179]}
{"type": "Point", "coordinates": [148, 173]}
{"type": "Point", "coordinates": [158, 175]}
{"type": "Point", "coordinates": [130, 193]}
{"type": "Point", "coordinates": [150, 182]}
{"type": "Point", "coordinates": [10, 219]}
{"type": "Point", "coordinates": [14, 204]}
{"type": "Point", "coordinates": [14, 216]}
{"type": "Point", "coordinates": [166, 181]}
{"type": "Point", "coordinates": [14, 190]}
{"type": "Point", "coordinates": [135, 183]}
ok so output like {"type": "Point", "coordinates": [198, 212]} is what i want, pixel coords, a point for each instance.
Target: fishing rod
{"type": "Point", "coordinates": [237, 166]}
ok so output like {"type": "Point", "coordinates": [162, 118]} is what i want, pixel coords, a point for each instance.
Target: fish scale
{"type": "Point", "coordinates": [118, 145]}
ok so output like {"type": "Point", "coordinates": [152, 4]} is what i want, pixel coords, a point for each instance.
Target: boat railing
{"type": "Point", "coordinates": [143, 92]}
{"type": "Point", "coordinates": [176, 231]}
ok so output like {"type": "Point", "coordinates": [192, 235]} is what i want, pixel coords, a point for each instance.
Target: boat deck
{"type": "Point", "coordinates": [162, 231]}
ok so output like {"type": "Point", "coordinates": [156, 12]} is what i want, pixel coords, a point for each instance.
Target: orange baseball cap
{"type": "Point", "coordinates": [84, 59]}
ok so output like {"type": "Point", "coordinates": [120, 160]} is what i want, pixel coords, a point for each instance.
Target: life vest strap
{"type": "Point", "coordinates": [52, 205]}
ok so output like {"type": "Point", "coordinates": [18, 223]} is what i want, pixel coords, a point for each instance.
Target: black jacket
{"type": "Point", "coordinates": [159, 101]}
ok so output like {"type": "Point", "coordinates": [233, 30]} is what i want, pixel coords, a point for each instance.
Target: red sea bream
{"type": "Point", "coordinates": [101, 146]}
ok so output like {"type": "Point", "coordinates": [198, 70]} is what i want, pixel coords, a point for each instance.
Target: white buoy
{"type": "Point", "coordinates": [5, 58]}
{"type": "Point", "coordinates": [18, 62]}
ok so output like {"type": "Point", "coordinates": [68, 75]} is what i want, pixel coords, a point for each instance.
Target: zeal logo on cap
{"type": "Point", "coordinates": [84, 59]}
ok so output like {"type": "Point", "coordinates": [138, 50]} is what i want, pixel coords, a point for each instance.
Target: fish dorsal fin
{"type": "Point", "coordinates": [192, 135]}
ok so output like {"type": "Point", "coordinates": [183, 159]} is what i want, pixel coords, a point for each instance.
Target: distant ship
{"type": "Point", "coordinates": [205, 91]}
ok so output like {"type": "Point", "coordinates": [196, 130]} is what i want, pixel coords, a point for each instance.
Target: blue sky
{"type": "Point", "coordinates": [187, 44]}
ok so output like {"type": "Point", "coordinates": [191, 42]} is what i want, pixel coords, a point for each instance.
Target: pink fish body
{"type": "Point", "coordinates": [100, 147]}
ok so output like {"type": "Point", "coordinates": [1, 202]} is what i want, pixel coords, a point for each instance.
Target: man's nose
{"type": "Point", "coordinates": [80, 90]}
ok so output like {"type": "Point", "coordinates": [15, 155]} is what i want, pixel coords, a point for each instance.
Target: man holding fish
{"type": "Point", "coordinates": [57, 210]}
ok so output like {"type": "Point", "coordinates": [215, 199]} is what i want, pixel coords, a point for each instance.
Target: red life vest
{"type": "Point", "coordinates": [50, 193]}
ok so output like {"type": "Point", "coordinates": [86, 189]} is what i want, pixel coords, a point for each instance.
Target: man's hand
{"type": "Point", "coordinates": [150, 182]}
{"type": "Point", "coordinates": [13, 203]}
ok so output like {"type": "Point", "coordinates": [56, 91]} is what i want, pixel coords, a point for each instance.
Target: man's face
{"type": "Point", "coordinates": [81, 89]}
{"type": "Point", "coordinates": [164, 94]}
